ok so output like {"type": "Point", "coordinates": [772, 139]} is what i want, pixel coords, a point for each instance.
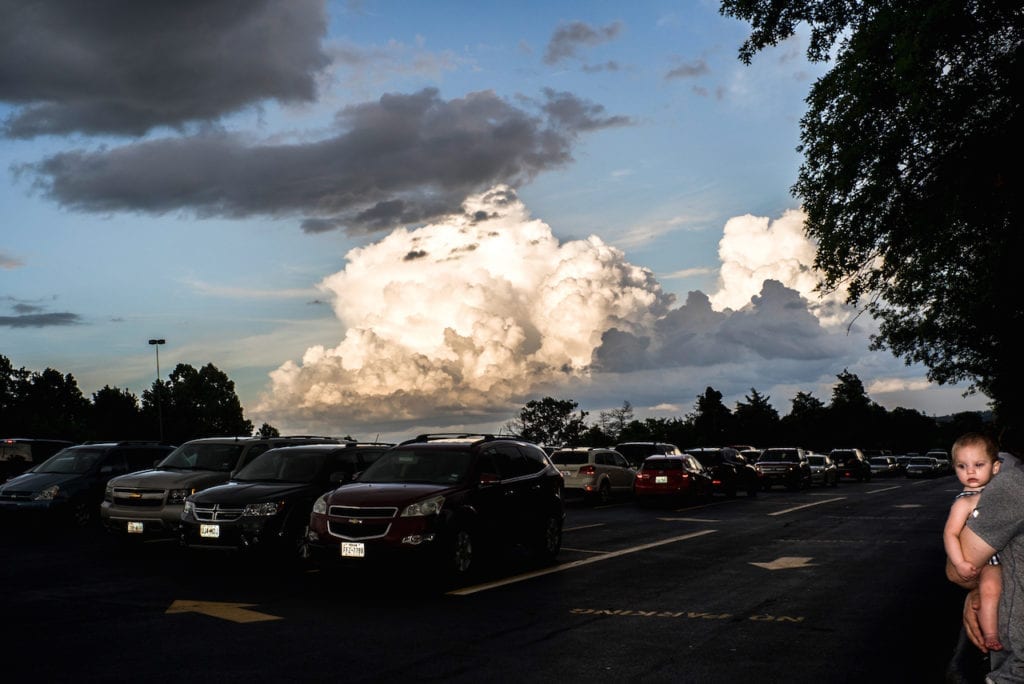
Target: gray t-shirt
{"type": "Point", "coordinates": [999, 520]}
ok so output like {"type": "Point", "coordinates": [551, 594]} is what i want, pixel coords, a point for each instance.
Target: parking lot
{"type": "Point", "coordinates": [815, 585]}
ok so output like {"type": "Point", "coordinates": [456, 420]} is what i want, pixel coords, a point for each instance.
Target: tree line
{"type": "Point", "coordinates": [850, 419]}
{"type": "Point", "coordinates": [190, 403]}
{"type": "Point", "coordinates": [193, 403]}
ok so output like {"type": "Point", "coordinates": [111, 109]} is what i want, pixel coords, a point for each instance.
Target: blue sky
{"type": "Point", "coordinates": [380, 218]}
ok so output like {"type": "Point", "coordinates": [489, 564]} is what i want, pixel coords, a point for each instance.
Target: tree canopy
{"type": "Point", "coordinates": [910, 181]}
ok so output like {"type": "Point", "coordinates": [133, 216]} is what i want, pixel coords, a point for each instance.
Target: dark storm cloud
{"type": "Point", "coordinates": [568, 38]}
{"type": "Point", "coordinates": [125, 66]}
{"type": "Point", "coordinates": [42, 320]}
{"type": "Point", "coordinates": [775, 326]}
{"type": "Point", "coordinates": [402, 159]}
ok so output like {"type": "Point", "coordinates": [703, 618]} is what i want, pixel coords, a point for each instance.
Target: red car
{"type": "Point", "coordinates": [671, 479]}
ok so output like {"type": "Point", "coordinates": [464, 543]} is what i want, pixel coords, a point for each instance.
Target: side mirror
{"type": "Point", "coordinates": [341, 477]}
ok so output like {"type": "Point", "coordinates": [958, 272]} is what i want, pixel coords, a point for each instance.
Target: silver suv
{"type": "Point", "coordinates": [149, 503]}
{"type": "Point", "coordinates": [597, 474]}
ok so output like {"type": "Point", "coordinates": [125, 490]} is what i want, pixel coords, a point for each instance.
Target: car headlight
{"type": "Point", "coordinates": [190, 509]}
{"type": "Point", "coordinates": [262, 509]}
{"type": "Point", "coordinates": [177, 496]}
{"type": "Point", "coordinates": [48, 494]}
{"type": "Point", "coordinates": [431, 506]}
{"type": "Point", "coordinates": [320, 506]}
{"type": "Point", "coordinates": [108, 492]}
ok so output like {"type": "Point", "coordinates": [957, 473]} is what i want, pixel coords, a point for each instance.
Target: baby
{"type": "Point", "coordinates": [975, 462]}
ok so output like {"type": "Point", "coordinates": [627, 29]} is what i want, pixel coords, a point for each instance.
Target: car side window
{"type": "Point", "coordinates": [620, 460]}
{"type": "Point", "coordinates": [603, 458]}
{"type": "Point", "coordinates": [114, 463]}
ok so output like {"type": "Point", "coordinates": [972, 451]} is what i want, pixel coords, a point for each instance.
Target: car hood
{"type": "Point", "coordinates": [159, 478]}
{"type": "Point", "coordinates": [35, 482]}
{"type": "Point", "coordinates": [252, 492]}
{"type": "Point", "coordinates": [375, 494]}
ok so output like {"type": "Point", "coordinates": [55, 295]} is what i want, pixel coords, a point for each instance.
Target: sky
{"type": "Point", "coordinates": [385, 218]}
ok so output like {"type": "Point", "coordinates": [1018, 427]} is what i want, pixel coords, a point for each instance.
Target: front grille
{"type": "Point", "coordinates": [356, 512]}
{"type": "Point", "coordinates": [355, 523]}
{"type": "Point", "coordinates": [139, 498]}
{"type": "Point", "coordinates": [356, 530]}
{"type": "Point", "coordinates": [15, 496]}
{"type": "Point", "coordinates": [218, 513]}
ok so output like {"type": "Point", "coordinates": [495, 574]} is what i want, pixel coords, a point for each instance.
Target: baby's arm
{"type": "Point", "coordinates": [958, 514]}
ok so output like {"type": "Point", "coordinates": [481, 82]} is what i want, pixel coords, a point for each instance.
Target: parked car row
{"type": "Point", "coordinates": [442, 498]}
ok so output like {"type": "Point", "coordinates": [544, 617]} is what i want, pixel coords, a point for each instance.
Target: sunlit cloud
{"type": "Point", "coordinates": [474, 315]}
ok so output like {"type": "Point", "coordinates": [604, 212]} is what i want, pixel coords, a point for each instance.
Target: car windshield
{"type": "Point", "coordinates": [419, 466]}
{"type": "Point", "coordinates": [708, 458]}
{"type": "Point", "coordinates": [283, 465]}
{"type": "Point", "coordinates": [204, 456]}
{"type": "Point", "coordinates": [788, 455]}
{"type": "Point", "coordinates": [663, 464]}
{"type": "Point", "coordinates": [569, 457]}
{"type": "Point", "coordinates": [70, 461]}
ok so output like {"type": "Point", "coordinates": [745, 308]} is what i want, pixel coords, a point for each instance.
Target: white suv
{"type": "Point", "coordinates": [597, 474]}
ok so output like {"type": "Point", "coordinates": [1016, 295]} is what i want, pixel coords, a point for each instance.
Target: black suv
{"type": "Point", "coordinates": [637, 452]}
{"type": "Point", "coordinates": [730, 472]}
{"type": "Point", "coordinates": [266, 505]}
{"type": "Point", "coordinates": [443, 497]}
{"type": "Point", "coordinates": [787, 466]}
{"type": "Point", "coordinates": [70, 484]}
{"type": "Point", "coordinates": [852, 464]}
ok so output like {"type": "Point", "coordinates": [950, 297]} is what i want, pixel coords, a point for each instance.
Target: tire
{"type": "Point", "coordinates": [549, 540]}
{"type": "Point", "coordinates": [752, 486]}
{"type": "Point", "coordinates": [458, 560]}
{"type": "Point", "coordinates": [81, 513]}
{"type": "Point", "coordinates": [604, 494]}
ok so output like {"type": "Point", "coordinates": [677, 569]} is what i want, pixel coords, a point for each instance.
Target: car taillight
{"type": "Point", "coordinates": [587, 470]}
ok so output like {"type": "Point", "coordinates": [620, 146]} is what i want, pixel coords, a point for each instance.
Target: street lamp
{"type": "Point", "coordinates": [159, 410]}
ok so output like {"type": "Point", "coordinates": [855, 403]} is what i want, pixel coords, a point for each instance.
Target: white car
{"type": "Point", "coordinates": [597, 474]}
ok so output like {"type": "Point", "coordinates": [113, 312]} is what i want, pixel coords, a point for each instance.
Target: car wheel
{"type": "Point", "coordinates": [82, 513]}
{"type": "Point", "coordinates": [549, 541]}
{"type": "Point", "coordinates": [752, 488]}
{"type": "Point", "coordinates": [604, 494]}
{"type": "Point", "coordinates": [459, 559]}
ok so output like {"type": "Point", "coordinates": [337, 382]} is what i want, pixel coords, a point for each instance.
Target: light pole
{"type": "Point", "coordinates": [159, 410]}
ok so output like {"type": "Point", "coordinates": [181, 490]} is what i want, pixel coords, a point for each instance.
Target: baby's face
{"type": "Point", "coordinates": [973, 466]}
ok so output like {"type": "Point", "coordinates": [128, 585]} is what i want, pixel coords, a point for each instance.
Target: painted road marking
{"type": "Point", "coordinates": [700, 520]}
{"type": "Point", "coordinates": [807, 505]}
{"type": "Point", "coordinates": [690, 614]}
{"type": "Point", "coordinates": [787, 563]}
{"type": "Point", "coordinates": [465, 591]}
{"type": "Point", "coordinates": [235, 612]}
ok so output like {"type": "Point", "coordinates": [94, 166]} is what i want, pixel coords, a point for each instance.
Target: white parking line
{"type": "Point", "coordinates": [816, 503]}
{"type": "Point", "coordinates": [583, 527]}
{"type": "Point", "coordinates": [465, 591]}
{"type": "Point", "coordinates": [887, 489]}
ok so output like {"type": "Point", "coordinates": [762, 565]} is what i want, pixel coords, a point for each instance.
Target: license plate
{"type": "Point", "coordinates": [210, 531]}
{"type": "Point", "coordinates": [661, 479]}
{"type": "Point", "coordinates": [353, 549]}
{"type": "Point", "coordinates": [135, 527]}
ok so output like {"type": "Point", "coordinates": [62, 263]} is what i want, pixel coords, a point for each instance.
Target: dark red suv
{"type": "Point", "coordinates": [443, 497]}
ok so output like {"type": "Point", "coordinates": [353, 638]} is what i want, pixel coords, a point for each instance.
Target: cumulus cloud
{"type": "Point", "coordinates": [126, 67]}
{"type": "Point", "coordinates": [400, 160]}
{"type": "Point", "coordinates": [475, 314]}
{"type": "Point", "coordinates": [754, 249]}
